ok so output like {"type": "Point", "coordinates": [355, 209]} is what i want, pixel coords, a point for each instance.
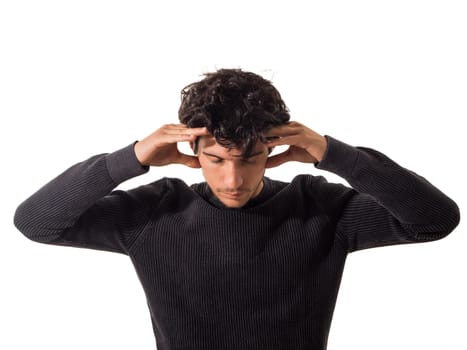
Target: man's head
{"type": "Point", "coordinates": [237, 108]}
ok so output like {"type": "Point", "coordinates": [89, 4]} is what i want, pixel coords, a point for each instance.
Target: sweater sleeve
{"type": "Point", "coordinates": [391, 205]}
{"type": "Point", "coordinates": [80, 207]}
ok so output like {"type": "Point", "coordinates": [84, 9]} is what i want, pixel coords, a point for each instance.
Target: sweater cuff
{"type": "Point", "coordinates": [123, 164]}
{"type": "Point", "coordinates": [338, 158]}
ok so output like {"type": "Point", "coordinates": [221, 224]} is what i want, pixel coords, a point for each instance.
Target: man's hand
{"type": "Point", "coordinates": [160, 148]}
{"type": "Point", "coordinates": [306, 145]}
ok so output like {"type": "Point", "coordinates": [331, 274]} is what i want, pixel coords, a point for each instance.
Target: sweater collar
{"type": "Point", "coordinates": [266, 192]}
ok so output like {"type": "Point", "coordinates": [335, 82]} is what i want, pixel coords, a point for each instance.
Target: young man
{"type": "Point", "coordinates": [240, 261]}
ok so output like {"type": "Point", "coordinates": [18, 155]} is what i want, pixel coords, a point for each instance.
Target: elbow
{"type": "Point", "coordinates": [452, 219]}
{"type": "Point", "coordinates": [21, 222]}
{"type": "Point", "coordinates": [24, 222]}
{"type": "Point", "coordinates": [443, 226]}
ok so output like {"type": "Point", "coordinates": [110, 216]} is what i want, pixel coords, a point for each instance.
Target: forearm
{"type": "Point", "coordinates": [59, 204]}
{"type": "Point", "coordinates": [412, 200]}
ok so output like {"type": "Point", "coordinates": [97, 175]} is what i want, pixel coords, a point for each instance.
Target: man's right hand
{"type": "Point", "coordinates": [160, 148]}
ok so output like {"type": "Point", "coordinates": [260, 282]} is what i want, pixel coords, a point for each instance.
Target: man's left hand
{"type": "Point", "coordinates": [305, 145]}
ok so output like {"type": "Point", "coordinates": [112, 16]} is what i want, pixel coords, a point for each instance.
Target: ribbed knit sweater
{"type": "Point", "coordinates": [265, 276]}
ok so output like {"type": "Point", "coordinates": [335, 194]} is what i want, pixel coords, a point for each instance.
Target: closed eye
{"type": "Point", "coordinates": [217, 160]}
{"type": "Point", "coordinates": [244, 161]}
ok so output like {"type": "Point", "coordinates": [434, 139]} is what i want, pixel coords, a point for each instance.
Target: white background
{"type": "Point", "coordinates": [79, 78]}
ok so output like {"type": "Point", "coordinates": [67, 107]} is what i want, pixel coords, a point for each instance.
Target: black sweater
{"type": "Point", "coordinates": [265, 276]}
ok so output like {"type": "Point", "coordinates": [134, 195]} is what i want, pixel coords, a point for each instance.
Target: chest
{"type": "Point", "coordinates": [257, 252]}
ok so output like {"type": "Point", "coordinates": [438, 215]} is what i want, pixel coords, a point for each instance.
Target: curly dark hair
{"type": "Point", "coordinates": [237, 107]}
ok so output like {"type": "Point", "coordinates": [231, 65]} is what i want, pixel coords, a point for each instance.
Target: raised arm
{"type": "Point", "coordinates": [80, 207]}
{"type": "Point", "coordinates": [392, 205]}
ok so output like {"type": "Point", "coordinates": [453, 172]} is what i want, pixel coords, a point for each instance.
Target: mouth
{"type": "Point", "coordinates": [233, 195]}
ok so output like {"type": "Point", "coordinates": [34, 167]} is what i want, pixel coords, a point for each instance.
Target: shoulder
{"type": "Point", "coordinates": [316, 184]}
{"type": "Point", "coordinates": [327, 195]}
{"type": "Point", "coordinates": [157, 191]}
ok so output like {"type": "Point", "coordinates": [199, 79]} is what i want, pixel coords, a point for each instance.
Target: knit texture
{"type": "Point", "coordinates": [265, 276]}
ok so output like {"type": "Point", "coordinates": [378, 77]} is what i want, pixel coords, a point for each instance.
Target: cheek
{"type": "Point", "coordinates": [208, 170]}
{"type": "Point", "coordinates": [256, 172]}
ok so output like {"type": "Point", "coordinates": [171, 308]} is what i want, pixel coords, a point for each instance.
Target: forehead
{"type": "Point", "coordinates": [209, 144]}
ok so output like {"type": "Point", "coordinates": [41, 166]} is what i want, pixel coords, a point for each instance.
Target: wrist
{"type": "Point", "coordinates": [319, 147]}
{"type": "Point", "coordinates": [139, 153]}
{"type": "Point", "coordinates": [123, 164]}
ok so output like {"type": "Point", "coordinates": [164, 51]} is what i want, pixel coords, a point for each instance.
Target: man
{"type": "Point", "coordinates": [240, 261]}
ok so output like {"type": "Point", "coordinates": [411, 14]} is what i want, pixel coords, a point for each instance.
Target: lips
{"type": "Point", "coordinates": [233, 194]}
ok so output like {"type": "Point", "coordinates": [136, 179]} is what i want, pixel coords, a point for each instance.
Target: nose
{"type": "Point", "coordinates": [233, 178]}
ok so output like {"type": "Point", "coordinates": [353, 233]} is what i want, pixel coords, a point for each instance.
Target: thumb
{"type": "Point", "coordinates": [190, 161]}
{"type": "Point", "coordinates": [275, 161]}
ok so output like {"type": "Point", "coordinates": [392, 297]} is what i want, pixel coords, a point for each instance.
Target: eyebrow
{"type": "Point", "coordinates": [240, 156]}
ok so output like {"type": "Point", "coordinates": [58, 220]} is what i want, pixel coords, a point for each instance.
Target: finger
{"type": "Point", "coordinates": [173, 128]}
{"type": "Point", "coordinates": [176, 127]}
{"type": "Point", "coordinates": [283, 130]}
{"type": "Point", "coordinates": [199, 131]}
{"type": "Point", "coordinates": [278, 131]}
{"type": "Point", "coordinates": [175, 138]}
{"type": "Point", "coordinates": [183, 130]}
{"type": "Point", "coordinates": [183, 135]}
{"type": "Point", "coordinates": [281, 141]}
